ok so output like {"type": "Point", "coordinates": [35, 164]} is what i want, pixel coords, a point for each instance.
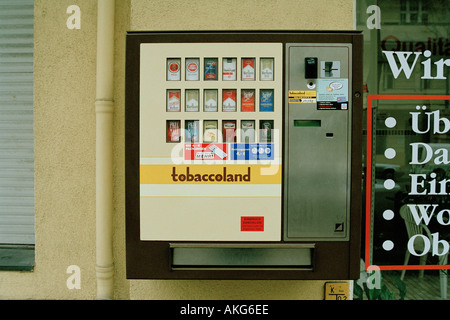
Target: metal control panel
{"type": "Point", "coordinates": [318, 117]}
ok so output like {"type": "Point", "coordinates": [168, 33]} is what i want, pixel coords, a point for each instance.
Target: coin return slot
{"type": "Point", "coordinates": [197, 256]}
{"type": "Point", "coordinates": [330, 134]}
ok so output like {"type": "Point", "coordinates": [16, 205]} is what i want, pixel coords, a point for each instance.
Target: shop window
{"type": "Point", "coordinates": [413, 12]}
{"type": "Point", "coordinates": [410, 127]}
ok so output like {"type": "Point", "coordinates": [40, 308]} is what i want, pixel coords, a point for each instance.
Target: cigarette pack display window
{"type": "Point", "coordinates": [229, 100]}
{"type": "Point", "coordinates": [192, 69]}
{"type": "Point", "coordinates": [192, 131]}
{"type": "Point", "coordinates": [173, 100]}
{"type": "Point", "coordinates": [229, 69]}
{"type": "Point", "coordinates": [248, 68]}
{"type": "Point", "coordinates": [210, 103]}
{"type": "Point", "coordinates": [266, 100]}
{"type": "Point", "coordinates": [265, 130]}
{"type": "Point", "coordinates": [173, 129]}
{"type": "Point", "coordinates": [248, 100]}
{"type": "Point", "coordinates": [266, 69]}
{"type": "Point", "coordinates": [202, 96]}
{"type": "Point", "coordinates": [248, 131]}
{"type": "Point", "coordinates": [223, 164]}
{"type": "Point", "coordinates": [211, 69]}
{"type": "Point", "coordinates": [229, 131]}
{"type": "Point", "coordinates": [210, 131]}
{"type": "Point", "coordinates": [173, 69]}
{"type": "Point", "coordinates": [192, 98]}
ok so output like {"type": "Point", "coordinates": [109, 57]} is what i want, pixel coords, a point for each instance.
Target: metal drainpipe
{"type": "Point", "coordinates": [104, 110]}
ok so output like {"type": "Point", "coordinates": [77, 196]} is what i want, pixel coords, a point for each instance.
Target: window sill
{"type": "Point", "coordinates": [16, 257]}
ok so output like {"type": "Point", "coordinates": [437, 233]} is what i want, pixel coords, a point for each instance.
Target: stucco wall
{"type": "Point", "coordinates": [64, 129]}
{"type": "Point", "coordinates": [65, 66]}
{"type": "Point", "coordinates": [244, 15]}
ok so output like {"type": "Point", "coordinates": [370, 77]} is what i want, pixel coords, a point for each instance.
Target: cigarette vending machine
{"type": "Point", "coordinates": [243, 155]}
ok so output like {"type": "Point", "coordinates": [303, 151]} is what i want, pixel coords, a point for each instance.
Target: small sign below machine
{"type": "Point", "coordinates": [337, 291]}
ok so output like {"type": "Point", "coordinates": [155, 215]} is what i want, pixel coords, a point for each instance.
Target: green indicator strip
{"type": "Point", "coordinates": [307, 123]}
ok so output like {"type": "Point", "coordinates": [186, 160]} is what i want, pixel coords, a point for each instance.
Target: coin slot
{"type": "Point", "coordinates": [329, 134]}
{"type": "Point", "coordinates": [310, 67]}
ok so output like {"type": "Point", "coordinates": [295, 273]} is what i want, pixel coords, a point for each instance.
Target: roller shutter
{"type": "Point", "coordinates": [16, 122]}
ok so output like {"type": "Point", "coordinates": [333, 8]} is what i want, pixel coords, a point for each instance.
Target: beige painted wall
{"type": "Point", "coordinates": [65, 64]}
{"type": "Point", "coordinates": [64, 127]}
{"type": "Point", "coordinates": [244, 14]}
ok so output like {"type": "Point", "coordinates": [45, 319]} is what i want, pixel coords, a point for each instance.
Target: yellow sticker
{"type": "Point", "coordinates": [210, 174]}
{"type": "Point", "coordinates": [302, 94]}
{"type": "Point", "coordinates": [302, 100]}
{"type": "Point", "coordinates": [337, 291]}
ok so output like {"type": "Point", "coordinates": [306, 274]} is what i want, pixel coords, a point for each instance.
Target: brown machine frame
{"type": "Point", "coordinates": [332, 260]}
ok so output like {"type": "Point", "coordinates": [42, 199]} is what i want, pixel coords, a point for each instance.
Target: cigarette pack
{"type": "Point", "coordinates": [173, 131]}
{"type": "Point", "coordinates": [229, 131]}
{"type": "Point", "coordinates": [248, 69]}
{"type": "Point", "coordinates": [211, 68]}
{"type": "Point", "coordinates": [173, 100]}
{"type": "Point", "coordinates": [173, 69]}
{"type": "Point", "coordinates": [192, 103]}
{"type": "Point", "coordinates": [248, 131]}
{"type": "Point", "coordinates": [192, 69]}
{"type": "Point", "coordinates": [266, 69]}
{"type": "Point", "coordinates": [266, 100]}
{"type": "Point", "coordinates": [229, 69]}
{"type": "Point", "coordinates": [210, 131]}
{"type": "Point", "coordinates": [229, 100]}
{"type": "Point", "coordinates": [210, 103]}
{"type": "Point", "coordinates": [265, 130]}
{"type": "Point", "coordinates": [192, 131]}
{"type": "Point", "coordinates": [248, 100]}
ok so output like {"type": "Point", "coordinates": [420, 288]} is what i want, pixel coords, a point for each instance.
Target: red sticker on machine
{"type": "Point", "coordinates": [252, 223]}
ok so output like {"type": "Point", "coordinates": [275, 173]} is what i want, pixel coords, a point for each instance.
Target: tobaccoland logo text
{"type": "Point", "coordinates": [188, 176]}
